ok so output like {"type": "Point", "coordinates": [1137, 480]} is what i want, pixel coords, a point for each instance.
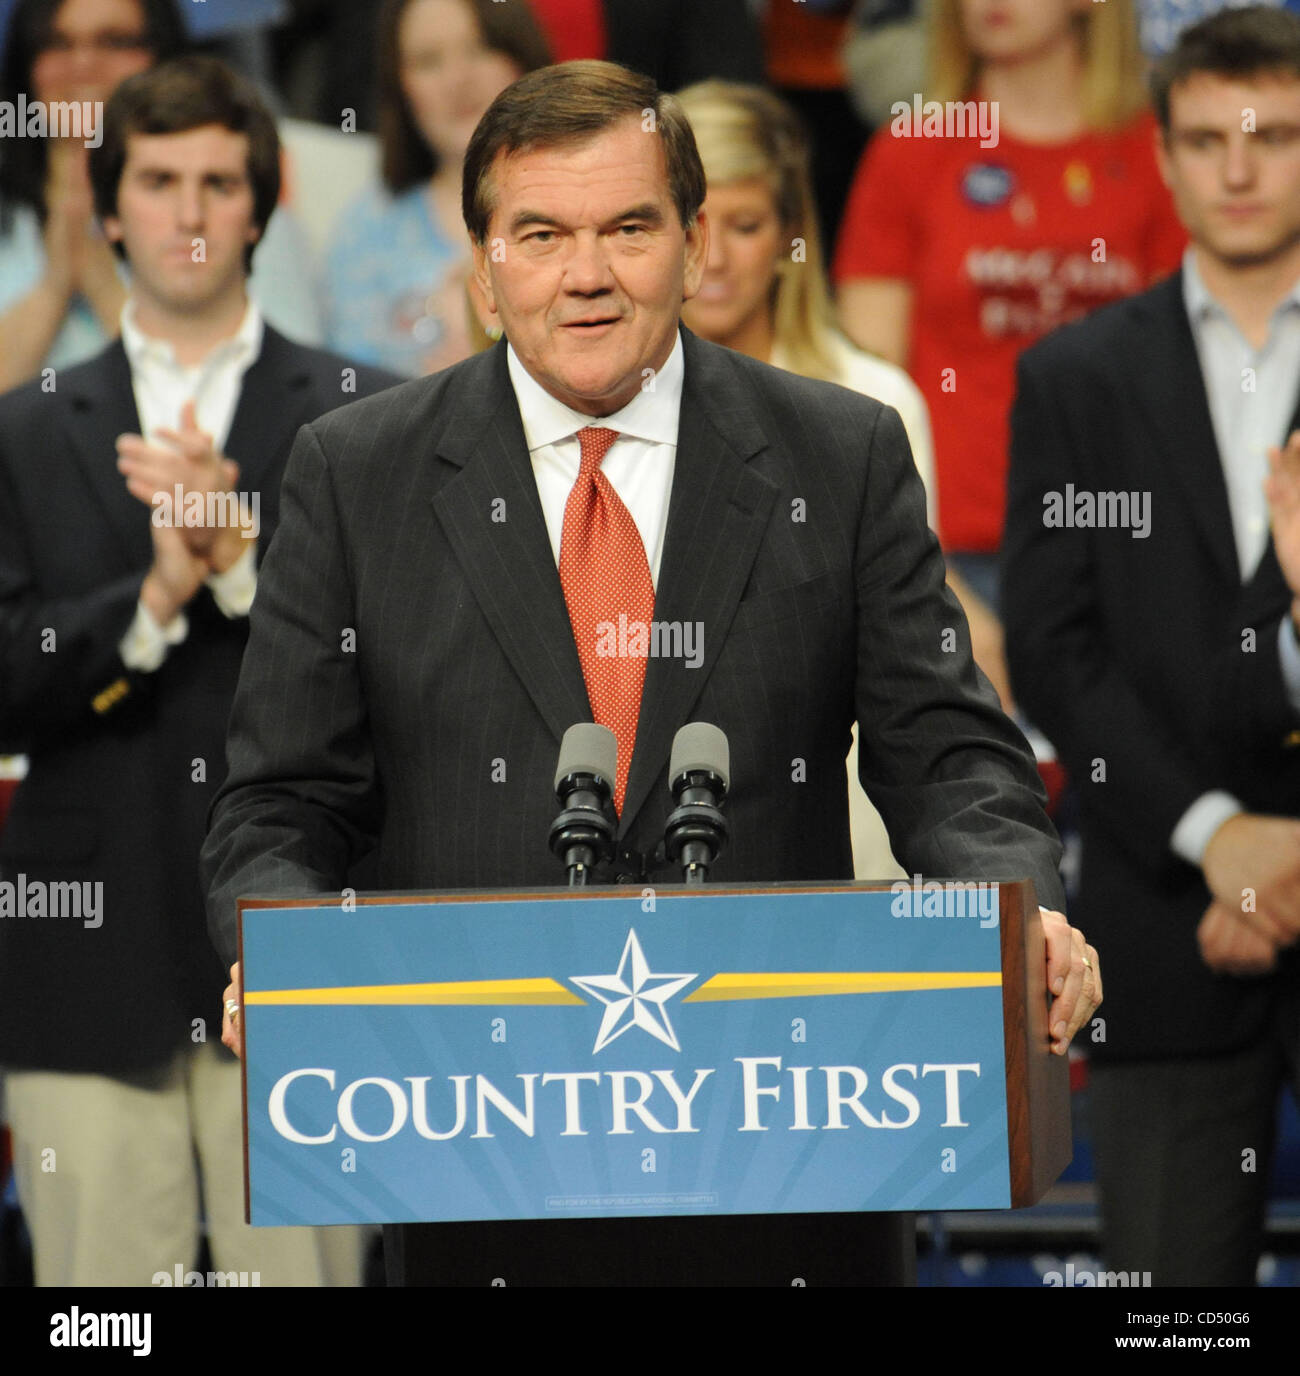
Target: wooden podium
{"type": "Point", "coordinates": [763, 1171]}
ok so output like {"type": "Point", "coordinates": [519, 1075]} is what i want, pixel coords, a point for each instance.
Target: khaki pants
{"type": "Point", "coordinates": [110, 1174]}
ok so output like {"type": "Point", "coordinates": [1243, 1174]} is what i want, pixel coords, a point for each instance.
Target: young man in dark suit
{"type": "Point", "coordinates": [475, 528]}
{"type": "Point", "coordinates": [1151, 629]}
{"type": "Point", "coordinates": [138, 493]}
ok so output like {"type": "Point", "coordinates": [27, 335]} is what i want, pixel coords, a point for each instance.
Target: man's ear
{"type": "Point", "coordinates": [697, 254]}
{"type": "Point", "coordinates": [482, 274]}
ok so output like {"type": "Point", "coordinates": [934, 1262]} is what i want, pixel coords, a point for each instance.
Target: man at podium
{"type": "Point", "coordinates": [428, 622]}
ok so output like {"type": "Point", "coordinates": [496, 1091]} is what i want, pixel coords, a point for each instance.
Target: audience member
{"type": "Point", "coordinates": [764, 293]}
{"type": "Point", "coordinates": [961, 246]}
{"type": "Point", "coordinates": [60, 290]}
{"type": "Point", "coordinates": [1152, 634]}
{"type": "Point", "coordinates": [124, 595]}
{"type": "Point", "coordinates": [399, 265]}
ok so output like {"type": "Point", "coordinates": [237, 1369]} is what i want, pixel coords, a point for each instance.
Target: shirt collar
{"type": "Point", "coordinates": [144, 349]}
{"type": "Point", "coordinates": [1201, 304]}
{"type": "Point", "coordinates": [651, 415]}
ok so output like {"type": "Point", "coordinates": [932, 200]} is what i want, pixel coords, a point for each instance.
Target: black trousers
{"type": "Point", "coordinates": [1184, 1151]}
{"type": "Point", "coordinates": [753, 1250]}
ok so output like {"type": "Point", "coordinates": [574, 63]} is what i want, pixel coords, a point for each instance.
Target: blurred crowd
{"type": "Point", "coordinates": [856, 236]}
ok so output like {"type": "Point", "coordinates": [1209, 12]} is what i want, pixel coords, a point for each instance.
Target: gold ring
{"type": "Point", "coordinates": [1087, 964]}
{"type": "Point", "coordinates": [232, 1009]}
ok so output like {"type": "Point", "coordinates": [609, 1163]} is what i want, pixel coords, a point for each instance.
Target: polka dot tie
{"type": "Point", "coordinates": [606, 582]}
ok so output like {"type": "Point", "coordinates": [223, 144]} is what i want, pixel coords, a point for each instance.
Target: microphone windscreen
{"type": "Point", "coordinates": [588, 748]}
{"type": "Point", "coordinates": [700, 745]}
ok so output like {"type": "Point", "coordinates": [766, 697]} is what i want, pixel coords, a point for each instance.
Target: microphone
{"type": "Point", "coordinates": [583, 833]}
{"type": "Point", "coordinates": [699, 773]}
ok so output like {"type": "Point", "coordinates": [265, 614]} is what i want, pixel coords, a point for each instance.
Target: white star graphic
{"type": "Point", "coordinates": [633, 997]}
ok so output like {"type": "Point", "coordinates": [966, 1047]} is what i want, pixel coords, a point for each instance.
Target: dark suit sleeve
{"type": "Point", "coordinates": [1062, 667]}
{"type": "Point", "coordinates": [952, 776]}
{"type": "Point", "coordinates": [298, 806]}
{"type": "Point", "coordinates": [59, 660]}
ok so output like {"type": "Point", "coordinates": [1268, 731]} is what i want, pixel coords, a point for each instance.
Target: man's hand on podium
{"type": "Point", "coordinates": [232, 1015]}
{"type": "Point", "coordinates": [1073, 978]}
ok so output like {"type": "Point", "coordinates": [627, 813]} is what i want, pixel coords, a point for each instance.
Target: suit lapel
{"type": "Point", "coordinates": [1172, 390]}
{"type": "Point", "coordinates": [717, 514]}
{"type": "Point", "coordinates": [269, 410]}
{"type": "Point", "coordinates": [492, 517]}
{"type": "Point", "coordinates": [102, 408]}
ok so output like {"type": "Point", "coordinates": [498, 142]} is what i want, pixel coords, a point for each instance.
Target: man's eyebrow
{"type": "Point", "coordinates": [533, 217]}
{"type": "Point", "coordinates": [159, 169]}
{"type": "Point", "coordinates": [647, 212]}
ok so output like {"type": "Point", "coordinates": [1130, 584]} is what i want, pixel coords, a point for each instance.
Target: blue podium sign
{"type": "Point", "coordinates": [601, 1054]}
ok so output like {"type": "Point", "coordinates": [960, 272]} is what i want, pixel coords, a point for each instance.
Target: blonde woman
{"type": "Point", "coordinates": [764, 294]}
{"type": "Point", "coordinates": [962, 245]}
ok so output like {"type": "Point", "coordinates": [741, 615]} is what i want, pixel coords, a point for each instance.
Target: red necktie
{"type": "Point", "coordinates": [605, 577]}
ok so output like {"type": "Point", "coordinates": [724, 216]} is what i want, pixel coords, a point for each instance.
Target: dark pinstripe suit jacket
{"type": "Point", "coordinates": [411, 668]}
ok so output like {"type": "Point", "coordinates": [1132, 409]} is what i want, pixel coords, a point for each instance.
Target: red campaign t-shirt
{"type": "Point", "coordinates": [1000, 246]}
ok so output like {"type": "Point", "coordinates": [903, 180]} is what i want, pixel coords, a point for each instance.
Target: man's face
{"type": "Point", "coordinates": [185, 216]}
{"type": "Point", "coordinates": [587, 265]}
{"type": "Point", "coordinates": [1237, 189]}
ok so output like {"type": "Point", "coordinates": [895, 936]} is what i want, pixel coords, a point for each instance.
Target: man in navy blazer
{"type": "Point", "coordinates": [412, 634]}
{"type": "Point", "coordinates": [123, 619]}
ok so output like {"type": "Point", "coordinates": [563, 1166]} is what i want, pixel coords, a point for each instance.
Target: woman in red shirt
{"type": "Point", "coordinates": [1019, 193]}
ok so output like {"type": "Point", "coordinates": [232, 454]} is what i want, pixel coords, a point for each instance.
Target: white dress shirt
{"type": "Point", "coordinates": [639, 464]}
{"type": "Point", "coordinates": [1247, 419]}
{"type": "Point", "coordinates": [161, 386]}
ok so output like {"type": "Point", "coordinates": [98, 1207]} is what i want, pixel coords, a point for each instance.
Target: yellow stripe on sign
{"type": "Point", "coordinates": [464, 992]}
{"type": "Point", "coordinates": [803, 985]}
